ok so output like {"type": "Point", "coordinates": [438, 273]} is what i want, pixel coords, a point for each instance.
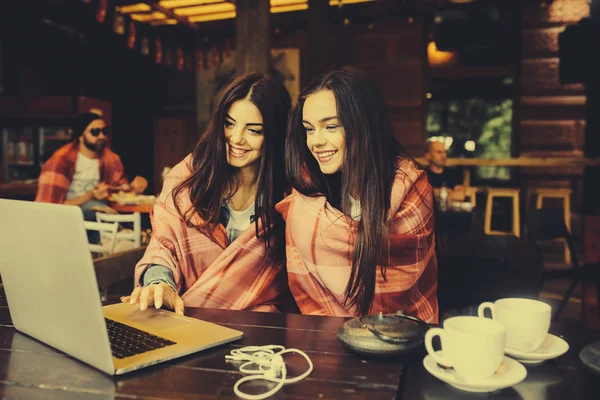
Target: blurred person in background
{"type": "Point", "coordinates": [83, 172]}
{"type": "Point", "coordinates": [441, 176]}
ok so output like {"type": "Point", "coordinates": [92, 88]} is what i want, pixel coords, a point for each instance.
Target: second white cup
{"type": "Point", "coordinates": [527, 321]}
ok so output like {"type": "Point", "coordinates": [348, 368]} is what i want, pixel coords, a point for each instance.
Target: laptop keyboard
{"type": "Point", "coordinates": [126, 341]}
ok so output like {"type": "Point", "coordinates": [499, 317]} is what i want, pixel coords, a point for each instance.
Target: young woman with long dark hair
{"type": "Point", "coordinates": [360, 221]}
{"type": "Point", "coordinates": [217, 240]}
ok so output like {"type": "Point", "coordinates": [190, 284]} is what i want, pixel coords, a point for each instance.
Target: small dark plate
{"type": "Point", "coordinates": [383, 334]}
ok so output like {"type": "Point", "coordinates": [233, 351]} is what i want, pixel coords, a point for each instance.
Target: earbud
{"type": "Point", "coordinates": [277, 360]}
{"type": "Point", "coordinates": [271, 373]}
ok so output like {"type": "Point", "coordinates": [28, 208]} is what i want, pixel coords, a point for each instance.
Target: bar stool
{"type": "Point", "coordinates": [471, 193]}
{"type": "Point", "coordinates": [516, 215]}
{"type": "Point", "coordinates": [563, 194]}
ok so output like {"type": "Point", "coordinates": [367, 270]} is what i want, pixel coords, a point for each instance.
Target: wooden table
{"type": "Point", "coordinates": [145, 208]}
{"type": "Point", "coordinates": [32, 370]}
{"type": "Point", "coordinates": [18, 190]}
{"type": "Point", "coordinates": [117, 267]}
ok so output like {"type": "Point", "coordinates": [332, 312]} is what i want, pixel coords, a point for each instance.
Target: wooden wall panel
{"type": "Point", "coordinates": [551, 115]}
{"type": "Point", "coordinates": [559, 12]}
{"type": "Point", "coordinates": [552, 107]}
{"type": "Point", "coordinates": [174, 139]}
{"type": "Point", "coordinates": [540, 77]}
{"type": "Point", "coordinates": [540, 41]}
{"type": "Point", "coordinates": [372, 50]}
{"type": "Point", "coordinates": [375, 49]}
{"type": "Point", "coordinates": [552, 135]}
{"type": "Point", "coordinates": [408, 49]}
{"type": "Point", "coordinates": [397, 83]}
{"type": "Point", "coordinates": [410, 135]}
{"type": "Point", "coordinates": [393, 54]}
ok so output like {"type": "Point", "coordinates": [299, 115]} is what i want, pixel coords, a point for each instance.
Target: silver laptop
{"type": "Point", "coordinates": [53, 296]}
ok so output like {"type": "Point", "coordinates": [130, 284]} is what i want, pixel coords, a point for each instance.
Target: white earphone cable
{"type": "Point", "coordinates": [269, 364]}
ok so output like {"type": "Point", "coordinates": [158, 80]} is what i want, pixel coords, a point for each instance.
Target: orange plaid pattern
{"type": "Point", "coordinates": [57, 173]}
{"type": "Point", "coordinates": [210, 272]}
{"type": "Point", "coordinates": [320, 244]}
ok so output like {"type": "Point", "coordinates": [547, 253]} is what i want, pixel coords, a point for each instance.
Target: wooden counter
{"type": "Point", "coordinates": [18, 191]}
{"type": "Point", "coordinates": [522, 162]}
{"type": "Point", "coordinates": [518, 162]}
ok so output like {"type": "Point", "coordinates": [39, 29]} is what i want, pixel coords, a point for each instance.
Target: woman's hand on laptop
{"type": "Point", "coordinates": [160, 294]}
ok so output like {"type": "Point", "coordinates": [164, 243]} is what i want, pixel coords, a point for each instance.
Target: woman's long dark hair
{"type": "Point", "coordinates": [370, 166]}
{"type": "Point", "coordinates": [212, 176]}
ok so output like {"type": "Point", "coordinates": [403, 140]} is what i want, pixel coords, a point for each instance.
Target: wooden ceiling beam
{"type": "Point", "coordinates": [121, 3]}
{"type": "Point", "coordinates": [171, 14]}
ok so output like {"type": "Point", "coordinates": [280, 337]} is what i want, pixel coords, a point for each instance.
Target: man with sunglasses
{"type": "Point", "coordinates": [84, 171]}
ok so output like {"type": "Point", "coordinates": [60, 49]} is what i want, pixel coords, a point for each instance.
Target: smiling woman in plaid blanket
{"type": "Point", "coordinates": [217, 240]}
{"type": "Point", "coordinates": [360, 221]}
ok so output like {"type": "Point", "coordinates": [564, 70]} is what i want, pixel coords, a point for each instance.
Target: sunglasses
{"type": "Point", "coordinates": [97, 131]}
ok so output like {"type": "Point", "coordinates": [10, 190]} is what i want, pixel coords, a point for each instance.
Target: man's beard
{"type": "Point", "coordinates": [439, 165]}
{"type": "Point", "coordinates": [97, 148]}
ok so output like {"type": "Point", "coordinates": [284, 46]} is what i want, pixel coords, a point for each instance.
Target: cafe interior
{"type": "Point", "coordinates": [501, 97]}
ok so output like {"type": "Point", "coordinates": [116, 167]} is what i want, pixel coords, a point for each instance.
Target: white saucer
{"type": "Point", "coordinates": [552, 347]}
{"type": "Point", "coordinates": [514, 374]}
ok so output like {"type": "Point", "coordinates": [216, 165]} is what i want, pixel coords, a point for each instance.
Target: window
{"type": "Point", "coordinates": [473, 118]}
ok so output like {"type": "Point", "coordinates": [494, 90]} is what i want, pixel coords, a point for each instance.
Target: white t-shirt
{"type": "Point", "coordinates": [86, 177]}
{"type": "Point", "coordinates": [238, 222]}
{"type": "Point", "coordinates": [356, 211]}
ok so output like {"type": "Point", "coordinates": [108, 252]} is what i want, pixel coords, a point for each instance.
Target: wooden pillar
{"type": "Point", "coordinates": [551, 115]}
{"type": "Point", "coordinates": [253, 31]}
{"type": "Point", "coordinates": [318, 28]}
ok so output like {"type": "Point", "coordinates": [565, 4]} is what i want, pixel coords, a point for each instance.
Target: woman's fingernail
{"type": "Point", "coordinates": [143, 306]}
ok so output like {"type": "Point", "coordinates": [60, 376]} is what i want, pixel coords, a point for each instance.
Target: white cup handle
{"type": "Point", "coordinates": [483, 306]}
{"type": "Point", "coordinates": [431, 333]}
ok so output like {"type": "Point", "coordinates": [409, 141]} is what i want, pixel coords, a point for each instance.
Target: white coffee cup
{"type": "Point", "coordinates": [473, 346]}
{"type": "Point", "coordinates": [527, 321]}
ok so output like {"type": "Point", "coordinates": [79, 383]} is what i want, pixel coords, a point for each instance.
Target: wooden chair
{"type": "Point", "coordinates": [516, 215]}
{"type": "Point", "coordinates": [133, 235]}
{"type": "Point", "coordinates": [471, 193]}
{"type": "Point", "coordinates": [548, 224]}
{"type": "Point", "coordinates": [563, 194]}
{"type": "Point", "coordinates": [108, 235]}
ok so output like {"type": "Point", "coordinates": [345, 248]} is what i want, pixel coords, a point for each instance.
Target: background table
{"type": "Point", "coordinates": [145, 208]}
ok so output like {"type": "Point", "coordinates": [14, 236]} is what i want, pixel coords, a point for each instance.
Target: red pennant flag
{"type": "Point", "coordinates": [158, 56]}
{"type": "Point", "coordinates": [180, 60]}
{"type": "Point", "coordinates": [131, 36]}
{"type": "Point", "coordinates": [101, 11]}
{"type": "Point", "coordinates": [214, 57]}
{"type": "Point", "coordinates": [228, 52]}
{"type": "Point", "coordinates": [199, 60]}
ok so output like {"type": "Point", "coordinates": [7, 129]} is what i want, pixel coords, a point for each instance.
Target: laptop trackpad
{"type": "Point", "coordinates": [160, 320]}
